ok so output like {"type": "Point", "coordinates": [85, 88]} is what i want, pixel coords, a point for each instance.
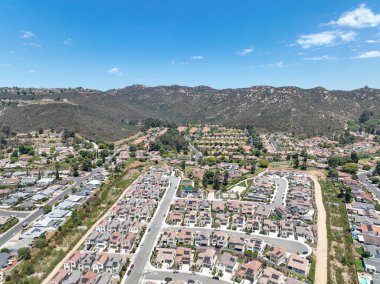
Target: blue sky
{"type": "Point", "coordinates": [222, 43]}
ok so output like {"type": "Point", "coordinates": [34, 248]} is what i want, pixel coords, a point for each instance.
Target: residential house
{"type": "Point", "coordinates": [185, 237]}
{"type": "Point", "coordinates": [272, 276]}
{"type": "Point", "coordinates": [298, 264]}
{"type": "Point", "coordinates": [183, 255]}
{"type": "Point", "coordinates": [227, 262]}
{"type": "Point", "coordinates": [277, 255]}
{"type": "Point", "coordinates": [236, 243]}
{"type": "Point", "coordinates": [207, 258]}
{"type": "Point", "coordinates": [250, 270]}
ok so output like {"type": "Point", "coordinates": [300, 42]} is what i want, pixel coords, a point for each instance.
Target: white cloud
{"type": "Point", "coordinates": [68, 41]}
{"type": "Point", "coordinates": [115, 71]}
{"type": "Point", "coordinates": [347, 36]}
{"type": "Point", "coordinates": [326, 38]}
{"type": "Point", "coordinates": [27, 34]}
{"type": "Point", "coordinates": [31, 71]}
{"type": "Point", "coordinates": [361, 17]}
{"type": "Point", "coordinates": [244, 52]}
{"type": "Point", "coordinates": [369, 54]}
{"type": "Point", "coordinates": [32, 44]}
{"type": "Point", "coordinates": [320, 58]}
{"type": "Point", "coordinates": [373, 41]}
{"type": "Point", "coordinates": [278, 64]}
{"type": "Point", "coordinates": [197, 57]}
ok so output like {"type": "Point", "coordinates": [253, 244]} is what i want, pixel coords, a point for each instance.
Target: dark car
{"type": "Point", "coordinates": [175, 271]}
{"type": "Point", "coordinates": [215, 277]}
{"type": "Point", "coordinates": [129, 272]}
{"type": "Point", "coordinates": [132, 266]}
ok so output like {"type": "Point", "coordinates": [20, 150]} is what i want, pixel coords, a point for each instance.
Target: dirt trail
{"type": "Point", "coordinates": [321, 252]}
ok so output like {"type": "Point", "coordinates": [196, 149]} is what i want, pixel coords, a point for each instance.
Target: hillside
{"type": "Point", "coordinates": [95, 114]}
{"type": "Point", "coordinates": [293, 109]}
{"type": "Point", "coordinates": [105, 115]}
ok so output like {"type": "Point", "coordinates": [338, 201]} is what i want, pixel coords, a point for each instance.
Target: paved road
{"type": "Point", "coordinates": [374, 189]}
{"type": "Point", "coordinates": [153, 230]}
{"type": "Point", "coordinates": [198, 154]}
{"type": "Point", "coordinates": [39, 212]}
{"type": "Point", "coordinates": [292, 246]}
{"type": "Point", "coordinates": [8, 213]}
{"type": "Point", "coordinates": [274, 143]}
{"type": "Point", "coordinates": [161, 275]}
{"type": "Point", "coordinates": [280, 194]}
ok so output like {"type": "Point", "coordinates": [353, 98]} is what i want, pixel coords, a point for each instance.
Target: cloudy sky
{"type": "Point", "coordinates": [221, 43]}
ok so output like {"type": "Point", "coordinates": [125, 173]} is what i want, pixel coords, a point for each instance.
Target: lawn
{"type": "Point", "coordinates": [359, 265]}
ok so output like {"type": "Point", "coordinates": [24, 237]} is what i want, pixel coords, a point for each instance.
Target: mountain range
{"type": "Point", "coordinates": [107, 115]}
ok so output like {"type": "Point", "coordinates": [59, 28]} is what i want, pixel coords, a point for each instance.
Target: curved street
{"type": "Point", "coordinates": [161, 275]}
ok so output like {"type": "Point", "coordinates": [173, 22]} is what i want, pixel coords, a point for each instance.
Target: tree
{"type": "Point", "coordinates": [225, 178]}
{"type": "Point", "coordinates": [103, 154]}
{"type": "Point", "coordinates": [57, 167]}
{"type": "Point", "coordinates": [204, 181]}
{"type": "Point", "coordinates": [377, 168]}
{"type": "Point", "coordinates": [354, 157]}
{"type": "Point", "coordinates": [333, 161]}
{"type": "Point", "coordinates": [86, 165]}
{"type": "Point", "coordinates": [348, 194]}
{"type": "Point", "coordinates": [216, 182]}
{"type": "Point", "coordinates": [253, 168]}
{"type": "Point", "coordinates": [365, 116]}
{"type": "Point", "coordinates": [333, 173]}
{"type": "Point", "coordinates": [40, 242]}
{"type": "Point", "coordinates": [75, 170]}
{"type": "Point", "coordinates": [183, 166]}
{"type": "Point", "coordinates": [350, 168]}
{"type": "Point", "coordinates": [296, 161]}
{"type": "Point", "coordinates": [196, 184]}
{"type": "Point", "coordinates": [47, 208]}
{"type": "Point", "coordinates": [263, 163]}
{"type": "Point", "coordinates": [28, 269]}
{"type": "Point", "coordinates": [23, 253]}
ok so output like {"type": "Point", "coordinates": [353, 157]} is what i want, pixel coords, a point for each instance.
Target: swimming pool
{"type": "Point", "coordinates": [362, 280]}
